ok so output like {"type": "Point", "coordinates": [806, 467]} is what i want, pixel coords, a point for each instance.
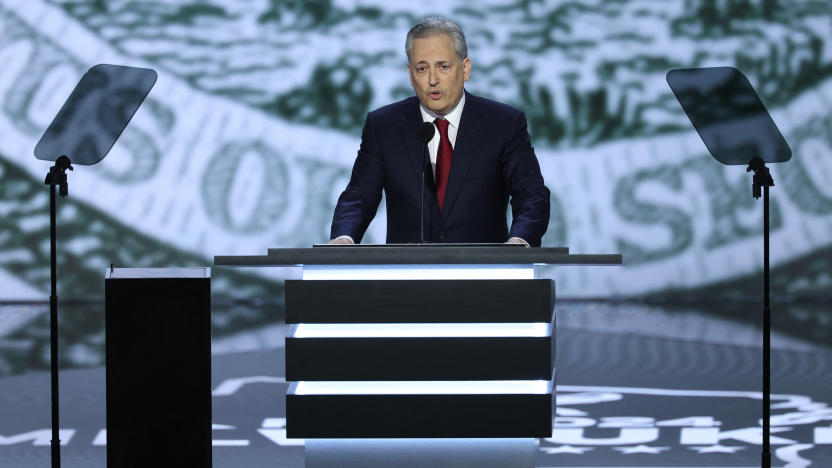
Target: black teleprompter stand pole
{"type": "Point", "coordinates": [82, 134]}
{"type": "Point", "coordinates": [55, 177]}
{"type": "Point", "coordinates": [737, 129]}
{"type": "Point", "coordinates": [762, 179]}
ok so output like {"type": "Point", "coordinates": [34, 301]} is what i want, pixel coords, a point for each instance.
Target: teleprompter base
{"type": "Point", "coordinates": [420, 453]}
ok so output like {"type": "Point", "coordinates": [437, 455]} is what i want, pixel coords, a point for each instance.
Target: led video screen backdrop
{"type": "Point", "coordinates": [249, 135]}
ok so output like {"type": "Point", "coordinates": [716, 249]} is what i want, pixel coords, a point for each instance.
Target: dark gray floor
{"type": "Point", "coordinates": [625, 400]}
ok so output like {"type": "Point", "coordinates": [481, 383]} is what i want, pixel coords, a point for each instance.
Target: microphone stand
{"type": "Point", "coordinates": [55, 177]}
{"type": "Point", "coordinates": [426, 133]}
{"type": "Point", "coordinates": [762, 179]}
{"type": "Point", "coordinates": [425, 162]}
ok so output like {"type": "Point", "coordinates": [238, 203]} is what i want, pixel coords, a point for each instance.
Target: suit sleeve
{"type": "Point", "coordinates": [524, 182]}
{"type": "Point", "coordinates": [358, 203]}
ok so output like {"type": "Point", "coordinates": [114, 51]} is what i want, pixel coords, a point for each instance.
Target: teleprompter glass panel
{"type": "Point", "coordinates": [728, 115]}
{"type": "Point", "coordinates": [95, 114]}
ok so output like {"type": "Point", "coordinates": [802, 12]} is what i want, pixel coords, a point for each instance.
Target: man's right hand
{"type": "Point", "coordinates": [344, 240]}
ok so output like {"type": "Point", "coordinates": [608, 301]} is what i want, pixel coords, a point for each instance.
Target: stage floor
{"type": "Point", "coordinates": [624, 400]}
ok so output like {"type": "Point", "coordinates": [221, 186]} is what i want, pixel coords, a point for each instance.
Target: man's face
{"type": "Point", "coordinates": [436, 72]}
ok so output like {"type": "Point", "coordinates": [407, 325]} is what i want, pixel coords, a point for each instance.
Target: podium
{"type": "Point", "coordinates": [420, 355]}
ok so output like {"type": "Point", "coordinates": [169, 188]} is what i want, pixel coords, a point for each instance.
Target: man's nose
{"type": "Point", "coordinates": [433, 77]}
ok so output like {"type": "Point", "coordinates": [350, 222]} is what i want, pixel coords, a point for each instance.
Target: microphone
{"type": "Point", "coordinates": [426, 132]}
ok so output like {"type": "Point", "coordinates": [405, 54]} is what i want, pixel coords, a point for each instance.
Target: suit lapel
{"type": "Point", "coordinates": [465, 151]}
{"type": "Point", "coordinates": [409, 132]}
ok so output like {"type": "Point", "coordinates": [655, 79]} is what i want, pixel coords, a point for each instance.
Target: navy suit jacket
{"type": "Point", "coordinates": [493, 160]}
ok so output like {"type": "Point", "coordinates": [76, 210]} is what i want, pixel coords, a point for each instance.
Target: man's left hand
{"type": "Point", "coordinates": [517, 240]}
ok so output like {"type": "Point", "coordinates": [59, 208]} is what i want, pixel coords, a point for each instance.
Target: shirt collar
{"type": "Point", "coordinates": [453, 117]}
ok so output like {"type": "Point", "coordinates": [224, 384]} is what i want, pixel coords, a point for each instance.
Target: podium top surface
{"type": "Point", "coordinates": [418, 255]}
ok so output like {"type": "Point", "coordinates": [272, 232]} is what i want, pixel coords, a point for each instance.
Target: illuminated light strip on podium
{"type": "Point", "coordinates": [421, 330]}
{"type": "Point", "coordinates": [424, 387]}
{"type": "Point", "coordinates": [417, 272]}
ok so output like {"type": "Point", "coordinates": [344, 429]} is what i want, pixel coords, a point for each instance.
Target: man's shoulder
{"type": "Point", "coordinates": [490, 107]}
{"type": "Point", "coordinates": [396, 109]}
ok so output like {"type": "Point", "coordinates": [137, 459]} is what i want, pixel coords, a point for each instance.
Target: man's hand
{"type": "Point", "coordinates": [517, 240]}
{"type": "Point", "coordinates": [344, 240]}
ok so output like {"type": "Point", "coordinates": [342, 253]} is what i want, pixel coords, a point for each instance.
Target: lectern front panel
{"type": "Point", "coordinates": [420, 301]}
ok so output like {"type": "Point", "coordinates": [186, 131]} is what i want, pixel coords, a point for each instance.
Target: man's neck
{"type": "Point", "coordinates": [454, 115]}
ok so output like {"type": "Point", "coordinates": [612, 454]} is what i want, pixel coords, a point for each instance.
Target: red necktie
{"type": "Point", "coordinates": [443, 161]}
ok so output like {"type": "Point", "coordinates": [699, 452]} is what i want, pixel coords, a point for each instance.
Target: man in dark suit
{"type": "Point", "coordinates": [481, 156]}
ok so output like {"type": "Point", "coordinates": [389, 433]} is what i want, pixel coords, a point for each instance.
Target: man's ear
{"type": "Point", "coordinates": [466, 68]}
{"type": "Point", "coordinates": [410, 73]}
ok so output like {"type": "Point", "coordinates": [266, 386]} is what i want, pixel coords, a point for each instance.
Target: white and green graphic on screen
{"type": "Point", "coordinates": [249, 135]}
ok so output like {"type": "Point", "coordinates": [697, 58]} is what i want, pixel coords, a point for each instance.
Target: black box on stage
{"type": "Point", "coordinates": [158, 332]}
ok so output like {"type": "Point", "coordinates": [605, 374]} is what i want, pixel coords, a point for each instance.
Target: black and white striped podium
{"type": "Point", "coordinates": [420, 355]}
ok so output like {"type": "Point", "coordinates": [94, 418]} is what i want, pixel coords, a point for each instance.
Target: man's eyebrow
{"type": "Point", "coordinates": [425, 62]}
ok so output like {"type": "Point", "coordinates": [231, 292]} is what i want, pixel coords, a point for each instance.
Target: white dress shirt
{"type": "Point", "coordinates": [453, 117]}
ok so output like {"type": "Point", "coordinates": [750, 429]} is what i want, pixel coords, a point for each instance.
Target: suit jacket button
{"type": "Point", "coordinates": [441, 235]}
